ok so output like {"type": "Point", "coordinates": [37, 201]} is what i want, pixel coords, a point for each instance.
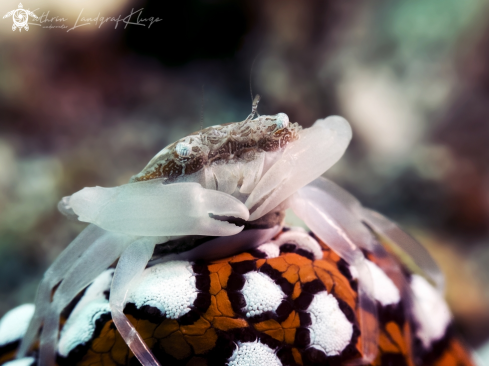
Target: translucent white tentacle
{"type": "Point", "coordinates": [153, 209]}
{"type": "Point", "coordinates": [311, 205]}
{"type": "Point", "coordinates": [52, 277]}
{"type": "Point", "coordinates": [303, 160]}
{"type": "Point", "coordinates": [130, 267]}
{"type": "Point", "coordinates": [389, 230]}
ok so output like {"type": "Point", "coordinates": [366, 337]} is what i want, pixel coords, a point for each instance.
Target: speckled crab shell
{"type": "Point", "coordinates": [240, 142]}
{"type": "Point", "coordinates": [292, 301]}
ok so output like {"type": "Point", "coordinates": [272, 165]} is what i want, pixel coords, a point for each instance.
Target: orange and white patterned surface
{"type": "Point", "coordinates": [279, 304]}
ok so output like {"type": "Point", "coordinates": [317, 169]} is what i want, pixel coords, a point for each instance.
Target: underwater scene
{"type": "Point", "coordinates": [222, 182]}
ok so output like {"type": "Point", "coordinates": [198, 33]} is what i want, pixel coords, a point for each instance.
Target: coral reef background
{"type": "Point", "coordinates": [91, 106]}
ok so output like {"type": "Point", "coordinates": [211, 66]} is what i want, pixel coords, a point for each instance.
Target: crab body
{"type": "Point", "coordinates": [230, 143]}
{"type": "Point", "coordinates": [209, 184]}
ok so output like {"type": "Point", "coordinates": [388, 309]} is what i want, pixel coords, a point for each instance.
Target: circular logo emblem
{"type": "Point", "coordinates": [20, 17]}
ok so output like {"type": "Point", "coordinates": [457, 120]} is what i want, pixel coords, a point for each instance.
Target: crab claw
{"type": "Point", "coordinates": [305, 159]}
{"type": "Point", "coordinates": [152, 209]}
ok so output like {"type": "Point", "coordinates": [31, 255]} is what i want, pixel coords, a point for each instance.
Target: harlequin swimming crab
{"type": "Point", "coordinates": [214, 183]}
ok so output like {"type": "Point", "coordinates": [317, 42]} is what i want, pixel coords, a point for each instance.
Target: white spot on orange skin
{"type": "Point", "coordinates": [169, 287]}
{"type": "Point", "coordinates": [330, 330]}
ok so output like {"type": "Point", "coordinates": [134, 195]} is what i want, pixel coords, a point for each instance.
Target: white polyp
{"type": "Point", "coordinates": [384, 290]}
{"type": "Point", "coordinates": [430, 311]}
{"type": "Point", "coordinates": [14, 323]}
{"type": "Point", "coordinates": [253, 354]}
{"type": "Point", "coordinates": [302, 240]}
{"type": "Point", "coordinates": [150, 208]}
{"type": "Point", "coordinates": [169, 287]}
{"type": "Point", "coordinates": [303, 160]}
{"type": "Point", "coordinates": [330, 330]}
{"type": "Point", "coordinates": [80, 326]}
{"type": "Point", "coordinates": [389, 230]}
{"type": "Point", "coordinates": [270, 249]}
{"type": "Point", "coordinates": [26, 361]}
{"type": "Point", "coordinates": [261, 294]}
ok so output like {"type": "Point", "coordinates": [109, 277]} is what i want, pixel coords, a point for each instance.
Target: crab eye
{"type": "Point", "coordinates": [282, 120]}
{"type": "Point", "coordinates": [183, 149]}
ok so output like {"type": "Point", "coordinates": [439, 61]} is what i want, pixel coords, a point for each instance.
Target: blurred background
{"type": "Point", "coordinates": [91, 107]}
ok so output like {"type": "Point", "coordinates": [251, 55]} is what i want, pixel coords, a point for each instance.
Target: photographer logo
{"type": "Point", "coordinates": [45, 20]}
{"type": "Point", "coordinates": [20, 16]}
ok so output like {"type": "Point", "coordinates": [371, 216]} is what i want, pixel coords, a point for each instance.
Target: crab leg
{"type": "Point", "coordinates": [339, 231]}
{"type": "Point", "coordinates": [389, 230]}
{"type": "Point", "coordinates": [385, 228]}
{"type": "Point", "coordinates": [131, 265]}
{"type": "Point", "coordinates": [345, 234]}
{"type": "Point", "coordinates": [316, 150]}
{"type": "Point", "coordinates": [52, 277]}
{"type": "Point", "coordinates": [345, 207]}
{"type": "Point", "coordinates": [99, 256]}
{"type": "Point", "coordinates": [152, 209]}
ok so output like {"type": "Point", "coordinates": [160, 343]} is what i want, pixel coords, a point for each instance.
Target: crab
{"type": "Point", "coordinates": [215, 182]}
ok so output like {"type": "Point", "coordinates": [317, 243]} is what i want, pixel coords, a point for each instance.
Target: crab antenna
{"type": "Point", "coordinates": [251, 73]}
{"type": "Point", "coordinates": [254, 106]}
{"type": "Point", "coordinates": [254, 101]}
{"type": "Point", "coordinates": [202, 109]}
